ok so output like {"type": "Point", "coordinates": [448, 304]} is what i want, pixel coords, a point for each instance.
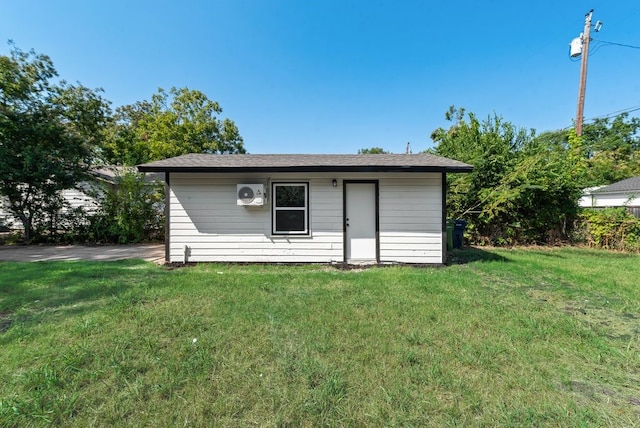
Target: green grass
{"type": "Point", "coordinates": [505, 338]}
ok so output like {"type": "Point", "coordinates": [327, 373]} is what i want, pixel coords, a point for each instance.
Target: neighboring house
{"type": "Point", "coordinates": [587, 198]}
{"type": "Point", "coordinates": [368, 208]}
{"type": "Point", "coordinates": [104, 177]}
{"type": "Point", "coordinates": [625, 193]}
{"type": "Point", "coordinates": [84, 195]}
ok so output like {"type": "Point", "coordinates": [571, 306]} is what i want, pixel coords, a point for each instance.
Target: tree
{"type": "Point", "coordinates": [173, 123]}
{"type": "Point", "coordinates": [612, 149]}
{"type": "Point", "coordinates": [521, 189]}
{"type": "Point", "coordinates": [48, 133]}
{"type": "Point", "coordinates": [121, 146]}
{"type": "Point", "coordinates": [490, 146]}
{"type": "Point", "coordinates": [373, 151]}
{"type": "Point", "coordinates": [608, 151]}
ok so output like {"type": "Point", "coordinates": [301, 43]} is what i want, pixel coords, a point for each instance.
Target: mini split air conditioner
{"type": "Point", "coordinates": [251, 194]}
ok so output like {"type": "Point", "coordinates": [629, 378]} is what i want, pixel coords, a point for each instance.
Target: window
{"type": "Point", "coordinates": [290, 209]}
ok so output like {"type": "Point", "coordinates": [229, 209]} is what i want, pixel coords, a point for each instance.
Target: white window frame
{"type": "Point", "coordinates": [275, 208]}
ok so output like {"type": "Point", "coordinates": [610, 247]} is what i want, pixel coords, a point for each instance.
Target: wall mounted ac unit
{"type": "Point", "coordinates": [251, 194]}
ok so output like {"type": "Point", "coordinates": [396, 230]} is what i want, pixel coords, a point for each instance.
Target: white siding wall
{"type": "Point", "coordinates": [616, 199]}
{"type": "Point", "coordinates": [80, 197]}
{"type": "Point", "coordinates": [205, 218]}
{"type": "Point", "coordinates": [207, 222]}
{"type": "Point", "coordinates": [75, 197]}
{"type": "Point", "coordinates": [411, 218]}
{"type": "Point", "coordinates": [585, 201]}
{"type": "Point", "coordinates": [6, 218]}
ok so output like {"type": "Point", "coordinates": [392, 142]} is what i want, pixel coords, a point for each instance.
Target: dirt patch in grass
{"type": "Point", "coordinates": [595, 312]}
{"type": "Point", "coordinates": [5, 321]}
{"type": "Point", "coordinates": [589, 391]}
{"type": "Point", "coordinates": [177, 265]}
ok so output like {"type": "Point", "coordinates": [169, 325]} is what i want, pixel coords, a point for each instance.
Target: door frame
{"type": "Point", "coordinates": [344, 215]}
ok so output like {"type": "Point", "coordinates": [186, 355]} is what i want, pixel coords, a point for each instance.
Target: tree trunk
{"type": "Point", "coordinates": [26, 224]}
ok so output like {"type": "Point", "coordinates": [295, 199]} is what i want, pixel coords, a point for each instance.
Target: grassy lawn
{"type": "Point", "coordinates": [505, 338]}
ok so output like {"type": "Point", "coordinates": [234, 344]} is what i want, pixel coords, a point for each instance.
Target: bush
{"type": "Point", "coordinates": [131, 211]}
{"type": "Point", "coordinates": [610, 228]}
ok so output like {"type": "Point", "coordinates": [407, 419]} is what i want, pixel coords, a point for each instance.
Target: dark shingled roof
{"type": "Point", "coordinates": [422, 162]}
{"type": "Point", "coordinates": [109, 173]}
{"type": "Point", "coordinates": [629, 185]}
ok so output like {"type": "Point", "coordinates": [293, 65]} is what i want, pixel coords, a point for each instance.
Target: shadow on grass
{"type": "Point", "coordinates": [69, 287]}
{"type": "Point", "coordinates": [472, 255]}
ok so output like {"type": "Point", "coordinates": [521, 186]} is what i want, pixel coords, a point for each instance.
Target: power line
{"type": "Point", "coordinates": [617, 44]}
{"type": "Point", "coordinates": [607, 115]}
{"type": "Point", "coordinates": [616, 113]}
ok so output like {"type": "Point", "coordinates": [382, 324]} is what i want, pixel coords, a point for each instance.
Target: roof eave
{"type": "Point", "coordinates": [606, 192]}
{"type": "Point", "coordinates": [320, 168]}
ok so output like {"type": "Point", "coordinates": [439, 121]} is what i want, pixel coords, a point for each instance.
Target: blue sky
{"type": "Point", "coordinates": [336, 76]}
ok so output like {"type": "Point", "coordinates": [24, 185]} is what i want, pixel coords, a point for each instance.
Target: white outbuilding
{"type": "Point", "coordinates": [365, 208]}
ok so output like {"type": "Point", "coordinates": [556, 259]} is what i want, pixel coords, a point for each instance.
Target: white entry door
{"type": "Point", "coordinates": [360, 222]}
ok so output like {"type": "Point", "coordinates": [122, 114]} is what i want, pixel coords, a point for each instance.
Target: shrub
{"type": "Point", "coordinates": [130, 211]}
{"type": "Point", "coordinates": [610, 228]}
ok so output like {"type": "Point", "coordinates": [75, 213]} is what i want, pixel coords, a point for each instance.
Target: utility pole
{"type": "Point", "coordinates": [586, 38]}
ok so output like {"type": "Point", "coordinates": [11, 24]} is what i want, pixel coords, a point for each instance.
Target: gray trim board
{"type": "Point", "coordinates": [167, 217]}
{"type": "Point", "coordinates": [443, 190]}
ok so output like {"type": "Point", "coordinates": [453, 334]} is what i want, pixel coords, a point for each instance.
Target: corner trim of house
{"type": "Point", "coordinates": [443, 190]}
{"type": "Point", "coordinates": [167, 217]}
{"type": "Point", "coordinates": [377, 183]}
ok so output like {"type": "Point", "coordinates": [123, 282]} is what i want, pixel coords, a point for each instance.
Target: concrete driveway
{"type": "Point", "coordinates": [39, 253]}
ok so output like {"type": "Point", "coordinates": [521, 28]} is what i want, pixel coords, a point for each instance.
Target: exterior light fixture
{"type": "Point", "coordinates": [335, 183]}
